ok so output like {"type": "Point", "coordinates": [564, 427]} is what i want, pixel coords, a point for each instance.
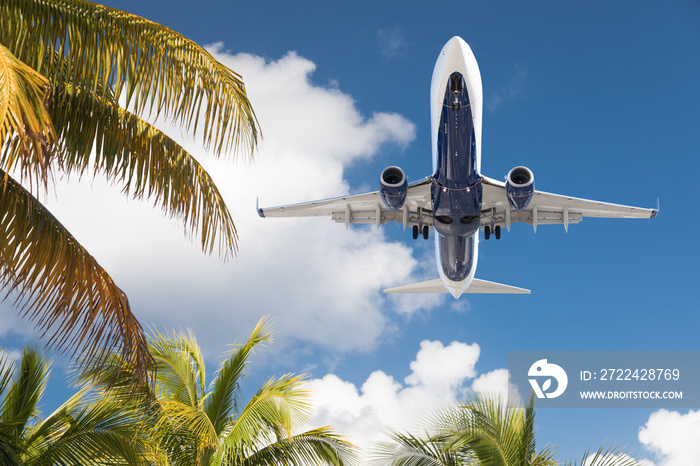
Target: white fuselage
{"type": "Point", "coordinates": [456, 163]}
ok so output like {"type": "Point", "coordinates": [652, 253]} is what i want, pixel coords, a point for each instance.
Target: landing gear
{"type": "Point", "coordinates": [425, 230]}
{"type": "Point", "coordinates": [496, 231]}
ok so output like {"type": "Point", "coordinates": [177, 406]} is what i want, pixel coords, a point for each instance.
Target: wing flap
{"type": "Point", "coordinates": [363, 208]}
{"type": "Point", "coordinates": [547, 208]}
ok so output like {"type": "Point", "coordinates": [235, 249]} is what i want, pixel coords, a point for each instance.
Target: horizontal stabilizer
{"type": "Point", "coordinates": [476, 286]}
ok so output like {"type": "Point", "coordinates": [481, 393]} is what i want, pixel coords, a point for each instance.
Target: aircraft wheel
{"type": "Point", "coordinates": [498, 232]}
{"type": "Point", "coordinates": [487, 232]}
{"type": "Point", "coordinates": [426, 232]}
{"type": "Point", "coordinates": [415, 231]}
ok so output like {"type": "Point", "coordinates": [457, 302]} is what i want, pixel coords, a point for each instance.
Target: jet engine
{"type": "Point", "coordinates": [393, 187]}
{"type": "Point", "coordinates": [520, 186]}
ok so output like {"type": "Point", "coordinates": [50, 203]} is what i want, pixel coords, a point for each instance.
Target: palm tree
{"type": "Point", "coordinates": [82, 431]}
{"type": "Point", "coordinates": [482, 431]}
{"type": "Point", "coordinates": [65, 67]}
{"type": "Point", "coordinates": [193, 423]}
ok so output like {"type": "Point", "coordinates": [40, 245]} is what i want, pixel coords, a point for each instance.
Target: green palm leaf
{"type": "Point", "coordinates": [155, 68]}
{"type": "Point", "coordinates": [405, 449]}
{"type": "Point", "coordinates": [26, 132]}
{"type": "Point", "coordinates": [224, 388]}
{"type": "Point", "coordinates": [60, 286]}
{"type": "Point", "coordinates": [77, 433]}
{"type": "Point", "coordinates": [492, 432]}
{"type": "Point", "coordinates": [146, 161]}
{"type": "Point", "coordinates": [175, 417]}
{"type": "Point", "coordinates": [482, 431]}
{"type": "Point", "coordinates": [317, 446]}
{"type": "Point", "coordinates": [65, 66]}
{"type": "Point", "coordinates": [192, 426]}
{"type": "Point", "coordinates": [24, 392]}
{"type": "Point", "coordinates": [271, 413]}
{"type": "Point", "coordinates": [606, 456]}
{"type": "Point", "coordinates": [179, 368]}
{"type": "Point", "coordinates": [87, 432]}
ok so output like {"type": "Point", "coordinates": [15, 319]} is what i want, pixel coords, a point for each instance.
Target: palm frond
{"type": "Point", "coordinates": [8, 454]}
{"type": "Point", "coordinates": [26, 131]}
{"type": "Point", "coordinates": [60, 286]}
{"type": "Point", "coordinates": [223, 398]}
{"type": "Point", "coordinates": [178, 417]}
{"type": "Point", "coordinates": [157, 69]}
{"type": "Point", "coordinates": [25, 391]}
{"type": "Point", "coordinates": [6, 369]}
{"type": "Point", "coordinates": [405, 449]}
{"type": "Point", "coordinates": [481, 430]}
{"type": "Point", "coordinates": [279, 405]}
{"type": "Point", "coordinates": [317, 446]}
{"type": "Point", "coordinates": [495, 432]}
{"type": "Point", "coordinates": [607, 456]}
{"type": "Point", "coordinates": [145, 160]}
{"type": "Point", "coordinates": [88, 430]}
{"type": "Point", "coordinates": [180, 370]}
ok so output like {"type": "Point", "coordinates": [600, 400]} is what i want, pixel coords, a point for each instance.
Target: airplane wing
{"type": "Point", "coordinates": [547, 208]}
{"type": "Point", "coordinates": [365, 208]}
{"type": "Point", "coordinates": [476, 286]}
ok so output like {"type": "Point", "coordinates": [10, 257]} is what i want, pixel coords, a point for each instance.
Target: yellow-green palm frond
{"type": "Point", "coordinates": [26, 132]}
{"type": "Point", "coordinates": [482, 430]}
{"type": "Point", "coordinates": [180, 369]}
{"type": "Point", "coordinates": [178, 418]}
{"type": "Point", "coordinates": [607, 456]}
{"type": "Point", "coordinates": [88, 430]}
{"type": "Point", "coordinates": [155, 68]}
{"type": "Point", "coordinates": [146, 161]}
{"type": "Point", "coordinates": [493, 431]}
{"type": "Point", "coordinates": [405, 449]}
{"type": "Point", "coordinates": [270, 415]}
{"type": "Point", "coordinates": [61, 287]}
{"type": "Point", "coordinates": [223, 397]}
{"type": "Point", "coordinates": [316, 446]}
{"type": "Point", "coordinates": [24, 392]}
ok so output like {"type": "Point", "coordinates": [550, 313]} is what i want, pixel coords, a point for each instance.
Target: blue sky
{"type": "Point", "coordinates": [599, 99]}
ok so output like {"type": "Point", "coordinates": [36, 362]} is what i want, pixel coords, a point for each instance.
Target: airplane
{"type": "Point", "coordinates": [457, 201]}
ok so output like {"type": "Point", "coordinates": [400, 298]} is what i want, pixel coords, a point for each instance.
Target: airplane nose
{"type": "Point", "coordinates": [457, 46]}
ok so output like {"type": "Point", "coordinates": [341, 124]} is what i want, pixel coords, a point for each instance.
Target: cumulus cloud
{"type": "Point", "coordinates": [440, 376]}
{"type": "Point", "coordinates": [323, 284]}
{"type": "Point", "coordinates": [672, 437]}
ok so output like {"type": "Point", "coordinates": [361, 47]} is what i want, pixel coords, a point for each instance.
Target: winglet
{"type": "Point", "coordinates": [658, 208]}
{"type": "Point", "coordinates": [260, 211]}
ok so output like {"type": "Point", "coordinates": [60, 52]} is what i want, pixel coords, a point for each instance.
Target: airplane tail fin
{"type": "Point", "coordinates": [476, 286]}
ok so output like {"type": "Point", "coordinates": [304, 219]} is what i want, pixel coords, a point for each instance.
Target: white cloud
{"type": "Point", "coordinates": [323, 284]}
{"type": "Point", "coordinates": [510, 90]}
{"type": "Point", "coordinates": [442, 369]}
{"type": "Point", "coordinates": [391, 41]}
{"type": "Point", "coordinates": [673, 437]}
{"type": "Point", "coordinates": [496, 383]}
{"type": "Point", "coordinates": [439, 377]}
